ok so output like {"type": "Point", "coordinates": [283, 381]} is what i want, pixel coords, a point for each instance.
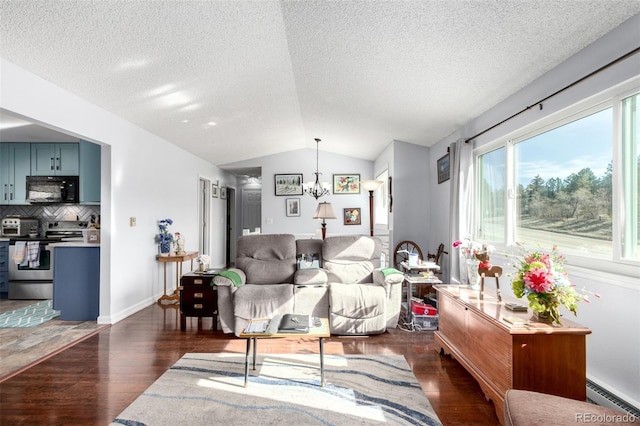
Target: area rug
{"type": "Point", "coordinates": [29, 316]}
{"type": "Point", "coordinates": [205, 389]}
{"type": "Point", "coordinates": [21, 348]}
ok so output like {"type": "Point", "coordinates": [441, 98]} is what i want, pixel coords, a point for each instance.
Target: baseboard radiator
{"type": "Point", "coordinates": [603, 397]}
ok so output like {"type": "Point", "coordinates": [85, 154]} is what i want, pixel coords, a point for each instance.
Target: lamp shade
{"type": "Point", "coordinates": [324, 211]}
{"type": "Point", "coordinates": [370, 185]}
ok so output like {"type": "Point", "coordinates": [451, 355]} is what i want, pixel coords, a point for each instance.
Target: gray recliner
{"type": "Point", "coordinates": [362, 300]}
{"type": "Point", "coordinates": [266, 264]}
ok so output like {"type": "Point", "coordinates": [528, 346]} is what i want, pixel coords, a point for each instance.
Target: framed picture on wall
{"type": "Point", "coordinates": [352, 216]}
{"type": "Point", "coordinates": [443, 168]}
{"type": "Point", "coordinates": [346, 184]}
{"type": "Point", "coordinates": [223, 192]}
{"type": "Point", "coordinates": [293, 207]}
{"type": "Point", "coordinates": [288, 184]}
{"type": "Point", "coordinates": [214, 190]}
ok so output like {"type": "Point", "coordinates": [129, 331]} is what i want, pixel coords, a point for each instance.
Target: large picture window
{"type": "Point", "coordinates": [573, 183]}
{"type": "Point", "coordinates": [563, 186]}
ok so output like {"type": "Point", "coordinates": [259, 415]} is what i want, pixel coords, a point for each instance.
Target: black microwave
{"type": "Point", "coordinates": [53, 189]}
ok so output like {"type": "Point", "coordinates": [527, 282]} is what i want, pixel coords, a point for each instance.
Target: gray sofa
{"type": "Point", "coordinates": [349, 288]}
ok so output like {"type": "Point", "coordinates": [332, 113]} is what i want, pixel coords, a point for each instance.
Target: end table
{"type": "Point", "coordinates": [198, 298]}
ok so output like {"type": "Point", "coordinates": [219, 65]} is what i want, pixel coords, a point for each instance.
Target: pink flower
{"type": "Point", "coordinates": [457, 243]}
{"type": "Point", "coordinates": [538, 280]}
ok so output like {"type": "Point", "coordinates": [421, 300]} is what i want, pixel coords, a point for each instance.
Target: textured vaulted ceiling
{"type": "Point", "coordinates": [233, 80]}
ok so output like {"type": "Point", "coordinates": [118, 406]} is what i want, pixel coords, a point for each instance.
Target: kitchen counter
{"type": "Point", "coordinates": [76, 281]}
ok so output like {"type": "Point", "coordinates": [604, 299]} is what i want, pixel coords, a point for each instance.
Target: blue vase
{"type": "Point", "coordinates": [165, 247]}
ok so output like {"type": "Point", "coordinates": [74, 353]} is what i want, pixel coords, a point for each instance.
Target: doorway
{"type": "Point", "coordinates": [204, 211]}
{"type": "Point", "coordinates": [230, 244]}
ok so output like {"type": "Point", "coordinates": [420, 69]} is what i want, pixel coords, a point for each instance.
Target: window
{"type": "Point", "coordinates": [630, 136]}
{"type": "Point", "coordinates": [561, 184]}
{"type": "Point", "coordinates": [380, 215]}
{"type": "Point", "coordinates": [491, 196]}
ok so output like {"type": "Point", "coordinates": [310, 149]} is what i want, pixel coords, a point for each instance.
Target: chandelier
{"type": "Point", "coordinates": [317, 189]}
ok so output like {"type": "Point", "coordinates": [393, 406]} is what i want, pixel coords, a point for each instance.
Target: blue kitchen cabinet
{"type": "Point", "coordinates": [76, 282]}
{"type": "Point", "coordinates": [55, 159]}
{"type": "Point", "coordinates": [89, 173]}
{"type": "Point", "coordinates": [15, 166]}
{"type": "Point", "coordinates": [4, 269]}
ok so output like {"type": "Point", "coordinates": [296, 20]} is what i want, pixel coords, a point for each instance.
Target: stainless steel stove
{"type": "Point", "coordinates": [66, 230]}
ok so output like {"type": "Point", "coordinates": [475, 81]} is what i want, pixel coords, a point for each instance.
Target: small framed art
{"type": "Point", "coordinates": [214, 190]}
{"type": "Point", "coordinates": [288, 184]}
{"type": "Point", "coordinates": [346, 184]}
{"type": "Point", "coordinates": [223, 192]}
{"type": "Point", "coordinates": [443, 168]}
{"type": "Point", "coordinates": [352, 216]}
{"type": "Point", "coordinates": [293, 207]}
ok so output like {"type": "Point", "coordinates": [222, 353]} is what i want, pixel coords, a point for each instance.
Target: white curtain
{"type": "Point", "coordinates": [461, 204]}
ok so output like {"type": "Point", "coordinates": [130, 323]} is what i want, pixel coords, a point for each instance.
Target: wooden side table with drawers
{"type": "Point", "coordinates": [198, 298]}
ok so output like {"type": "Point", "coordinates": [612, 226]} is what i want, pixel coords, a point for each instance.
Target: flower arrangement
{"type": "Point", "coordinates": [164, 237]}
{"type": "Point", "coordinates": [542, 278]}
{"type": "Point", "coordinates": [470, 250]}
{"type": "Point", "coordinates": [468, 247]}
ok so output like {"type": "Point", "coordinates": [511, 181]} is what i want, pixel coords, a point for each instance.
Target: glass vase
{"type": "Point", "coordinates": [472, 273]}
{"type": "Point", "coordinates": [541, 317]}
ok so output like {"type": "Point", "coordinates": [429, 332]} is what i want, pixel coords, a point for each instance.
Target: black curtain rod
{"type": "Point", "coordinates": [591, 74]}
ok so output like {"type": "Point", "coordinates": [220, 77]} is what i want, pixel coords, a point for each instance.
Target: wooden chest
{"type": "Point", "coordinates": [198, 298]}
{"type": "Point", "coordinates": [500, 356]}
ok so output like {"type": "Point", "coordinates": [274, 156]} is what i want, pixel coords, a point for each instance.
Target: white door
{"type": "Point", "coordinates": [251, 209]}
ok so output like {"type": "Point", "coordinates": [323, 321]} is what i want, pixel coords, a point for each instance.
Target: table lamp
{"type": "Point", "coordinates": [324, 211]}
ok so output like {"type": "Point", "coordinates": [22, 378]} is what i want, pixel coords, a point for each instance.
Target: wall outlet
{"type": "Point", "coordinates": [132, 221]}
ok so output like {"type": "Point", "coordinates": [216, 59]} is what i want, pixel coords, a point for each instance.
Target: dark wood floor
{"type": "Point", "coordinates": [93, 381]}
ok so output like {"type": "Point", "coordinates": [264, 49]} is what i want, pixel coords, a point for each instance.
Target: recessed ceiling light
{"type": "Point", "coordinates": [185, 121]}
{"type": "Point", "coordinates": [133, 64]}
{"type": "Point", "coordinates": [212, 123]}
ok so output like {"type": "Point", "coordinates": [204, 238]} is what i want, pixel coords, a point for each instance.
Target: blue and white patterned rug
{"type": "Point", "coordinates": [29, 316]}
{"type": "Point", "coordinates": [205, 389]}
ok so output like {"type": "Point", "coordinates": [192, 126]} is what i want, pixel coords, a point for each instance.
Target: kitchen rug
{"type": "Point", "coordinates": [205, 389]}
{"type": "Point", "coordinates": [29, 316]}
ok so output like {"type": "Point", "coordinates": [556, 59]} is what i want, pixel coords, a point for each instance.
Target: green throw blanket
{"type": "Point", "coordinates": [389, 271]}
{"type": "Point", "coordinates": [231, 275]}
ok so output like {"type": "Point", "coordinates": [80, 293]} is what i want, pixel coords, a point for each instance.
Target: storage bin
{"type": "Point", "coordinates": [419, 308]}
{"type": "Point", "coordinates": [424, 322]}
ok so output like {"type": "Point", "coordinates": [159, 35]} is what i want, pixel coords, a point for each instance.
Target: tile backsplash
{"type": "Point", "coordinates": [53, 212]}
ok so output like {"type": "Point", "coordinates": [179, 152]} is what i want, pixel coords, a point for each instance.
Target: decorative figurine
{"type": "Point", "coordinates": [180, 244]}
{"type": "Point", "coordinates": [486, 269]}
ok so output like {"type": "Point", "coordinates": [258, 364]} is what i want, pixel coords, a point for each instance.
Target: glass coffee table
{"type": "Point", "coordinates": [314, 332]}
